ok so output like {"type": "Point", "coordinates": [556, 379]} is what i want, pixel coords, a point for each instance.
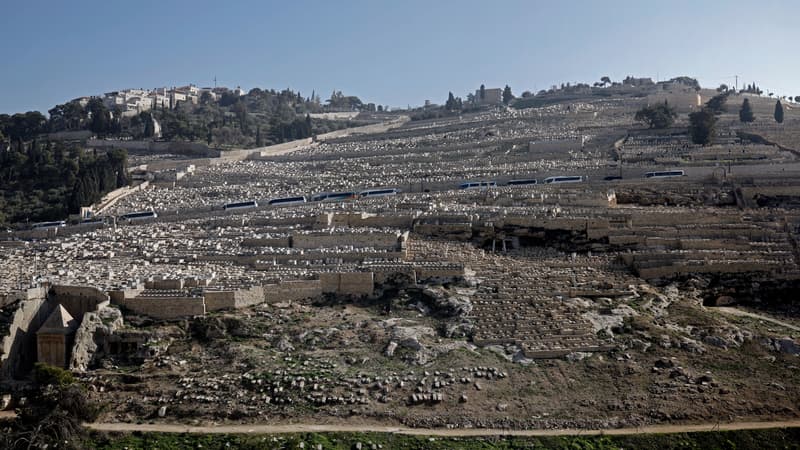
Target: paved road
{"type": "Point", "coordinates": [739, 312]}
{"type": "Point", "coordinates": [306, 428]}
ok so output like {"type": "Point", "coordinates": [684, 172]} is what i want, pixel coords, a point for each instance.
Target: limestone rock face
{"type": "Point", "coordinates": [447, 305]}
{"type": "Point", "coordinates": [94, 327]}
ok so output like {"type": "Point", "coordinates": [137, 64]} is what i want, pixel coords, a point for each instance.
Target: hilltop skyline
{"type": "Point", "coordinates": [387, 54]}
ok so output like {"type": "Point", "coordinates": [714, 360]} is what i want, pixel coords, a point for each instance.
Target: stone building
{"type": "Point", "coordinates": [54, 338]}
{"type": "Point", "coordinates": [491, 96]}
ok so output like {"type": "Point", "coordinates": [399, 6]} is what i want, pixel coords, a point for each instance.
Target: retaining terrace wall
{"type": "Point", "coordinates": [282, 242]}
{"type": "Point", "coordinates": [332, 240]}
{"type": "Point", "coordinates": [277, 149]}
{"type": "Point", "coordinates": [177, 283]}
{"type": "Point", "coordinates": [241, 298]}
{"type": "Point", "coordinates": [292, 290]}
{"type": "Point", "coordinates": [165, 307]}
{"type": "Point", "coordinates": [217, 300]}
{"type": "Point", "coordinates": [347, 283]}
{"type": "Point", "coordinates": [78, 300]}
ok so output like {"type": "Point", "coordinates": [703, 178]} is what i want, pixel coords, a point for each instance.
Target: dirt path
{"type": "Point", "coordinates": [306, 428]}
{"type": "Point", "coordinates": [739, 312]}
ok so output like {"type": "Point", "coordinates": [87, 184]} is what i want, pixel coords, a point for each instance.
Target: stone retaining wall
{"type": "Point", "coordinates": [78, 300]}
{"type": "Point", "coordinates": [166, 307]}
{"type": "Point", "coordinates": [347, 283]}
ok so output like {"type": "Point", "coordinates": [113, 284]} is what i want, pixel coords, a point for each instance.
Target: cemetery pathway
{"type": "Point", "coordinates": [739, 312]}
{"type": "Point", "coordinates": [459, 432]}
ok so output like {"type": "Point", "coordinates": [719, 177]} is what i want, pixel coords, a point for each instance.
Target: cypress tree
{"type": "Point", "coordinates": [746, 112]}
{"type": "Point", "coordinates": [149, 128]}
{"type": "Point", "coordinates": [778, 112]}
{"type": "Point", "coordinates": [507, 95]}
{"type": "Point", "coordinates": [451, 102]}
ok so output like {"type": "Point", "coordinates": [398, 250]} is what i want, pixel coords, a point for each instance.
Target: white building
{"type": "Point", "coordinates": [133, 101]}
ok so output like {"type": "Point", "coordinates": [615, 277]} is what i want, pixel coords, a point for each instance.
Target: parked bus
{"type": "Point", "coordinates": [136, 216]}
{"type": "Point", "coordinates": [287, 201]}
{"type": "Point", "coordinates": [334, 196]}
{"type": "Point", "coordinates": [240, 205]}
{"type": "Point", "coordinates": [529, 182]}
{"type": "Point", "coordinates": [477, 185]}
{"type": "Point", "coordinates": [49, 225]}
{"type": "Point", "coordinates": [552, 180]}
{"type": "Point", "coordinates": [665, 174]}
{"type": "Point", "coordinates": [378, 192]}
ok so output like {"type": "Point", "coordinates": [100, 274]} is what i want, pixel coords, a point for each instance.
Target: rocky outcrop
{"type": "Point", "coordinates": [95, 327]}
{"type": "Point", "coordinates": [783, 345]}
{"type": "Point", "coordinates": [443, 303]}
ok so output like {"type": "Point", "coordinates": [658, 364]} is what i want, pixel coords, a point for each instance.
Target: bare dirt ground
{"type": "Point", "coordinates": [674, 361]}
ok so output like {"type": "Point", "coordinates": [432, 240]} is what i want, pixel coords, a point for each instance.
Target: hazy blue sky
{"type": "Point", "coordinates": [389, 52]}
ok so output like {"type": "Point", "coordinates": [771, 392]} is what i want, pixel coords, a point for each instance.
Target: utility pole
{"type": "Point", "coordinates": [737, 82]}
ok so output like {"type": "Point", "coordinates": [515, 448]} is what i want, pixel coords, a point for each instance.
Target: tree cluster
{"type": "Point", "coordinates": [230, 120]}
{"type": "Point", "coordinates": [22, 127]}
{"type": "Point", "coordinates": [95, 117]}
{"type": "Point", "coordinates": [48, 181]}
{"type": "Point", "coordinates": [718, 103]}
{"type": "Point", "coordinates": [702, 126]}
{"type": "Point", "coordinates": [344, 103]}
{"type": "Point", "coordinates": [604, 81]}
{"type": "Point", "coordinates": [752, 89]}
{"type": "Point", "coordinates": [658, 116]}
{"type": "Point", "coordinates": [54, 415]}
{"type": "Point", "coordinates": [453, 103]}
{"type": "Point", "coordinates": [297, 129]}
